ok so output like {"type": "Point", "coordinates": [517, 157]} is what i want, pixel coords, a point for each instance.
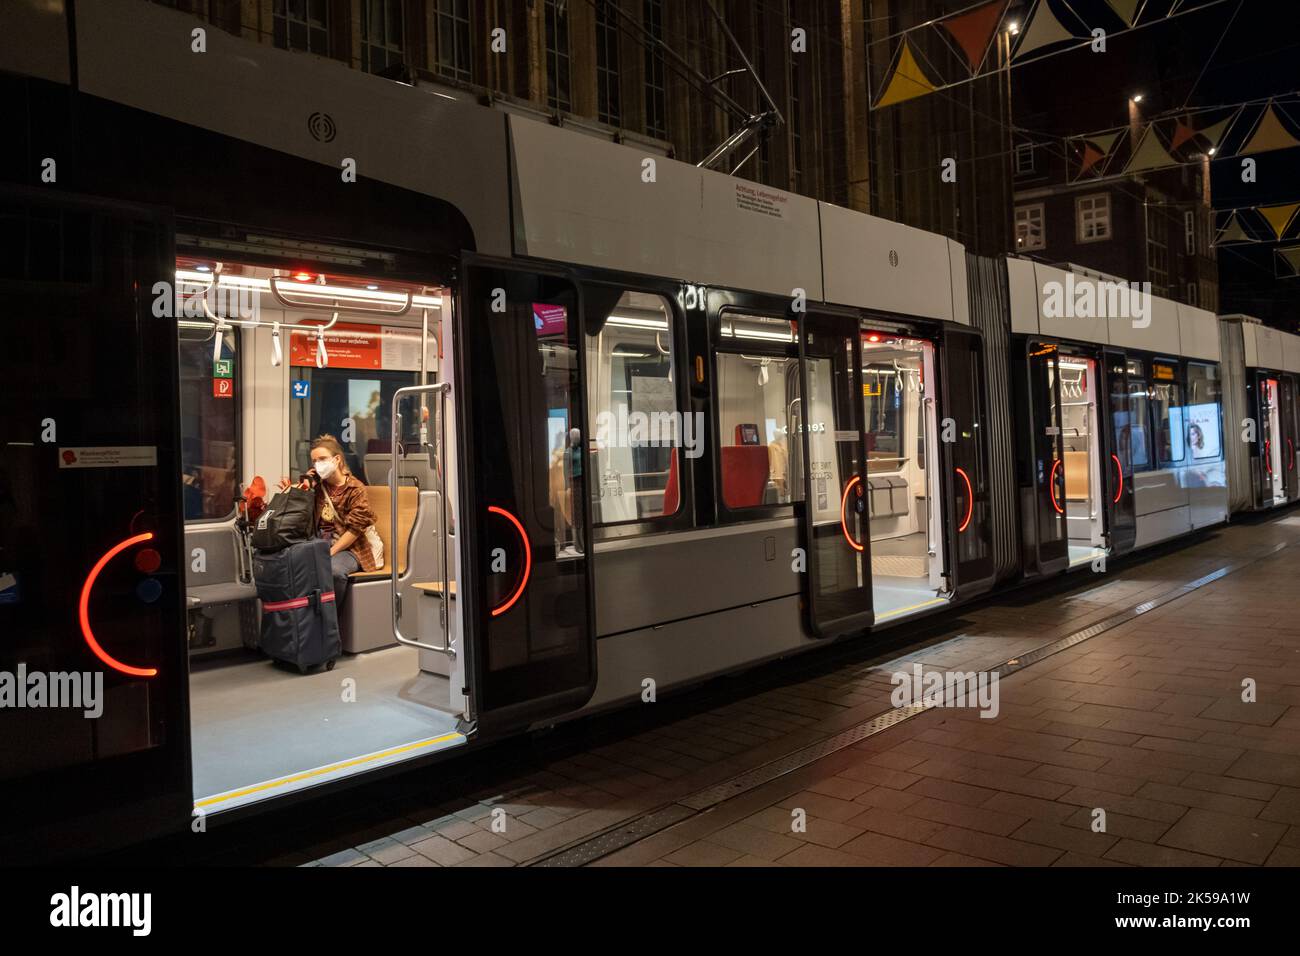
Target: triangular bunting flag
{"type": "Point", "coordinates": [908, 81]}
{"type": "Point", "coordinates": [1182, 133]}
{"type": "Point", "coordinates": [1270, 134]}
{"type": "Point", "coordinates": [1279, 217]}
{"type": "Point", "coordinates": [1232, 232]}
{"type": "Point", "coordinates": [1127, 9]}
{"type": "Point", "coordinates": [1043, 28]}
{"type": "Point", "coordinates": [1091, 157]}
{"type": "Point", "coordinates": [974, 30]}
{"type": "Point", "coordinates": [1215, 133]}
{"type": "Point", "coordinates": [1104, 141]}
{"type": "Point", "coordinates": [1150, 154]}
{"type": "Point", "coordinates": [1292, 257]}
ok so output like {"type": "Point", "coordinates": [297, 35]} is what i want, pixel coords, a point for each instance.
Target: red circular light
{"type": "Point", "coordinates": [528, 560]}
{"type": "Point", "coordinates": [970, 501]}
{"type": "Point", "coordinates": [148, 561]}
{"type": "Point", "coordinates": [303, 276]}
{"type": "Point", "coordinates": [1051, 487]}
{"type": "Point", "coordinates": [873, 337]}
{"type": "Point", "coordinates": [1120, 468]}
{"type": "Point", "coordinates": [83, 609]}
{"type": "Point", "coordinates": [844, 516]}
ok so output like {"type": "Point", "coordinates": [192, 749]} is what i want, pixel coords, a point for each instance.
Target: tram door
{"type": "Point", "coordinates": [1042, 502]}
{"type": "Point", "coordinates": [94, 747]}
{"type": "Point", "coordinates": [833, 514]}
{"type": "Point", "coordinates": [1287, 444]}
{"type": "Point", "coordinates": [1271, 442]}
{"type": "Point", "coordinates": [525, 506]}
{"type": "Point", "coordinates": [968, 516]}
{"type": "Point", "coordinates": [1117, 448]}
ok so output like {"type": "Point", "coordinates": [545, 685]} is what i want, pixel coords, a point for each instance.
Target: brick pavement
{"type": "Point", "coordinates": [1144, 722]}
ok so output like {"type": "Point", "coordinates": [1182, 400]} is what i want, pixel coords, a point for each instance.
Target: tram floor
{"type": "Point", "coordinates": [1125, 696]}
{"type": "Point", "coordinates": [255, 722]}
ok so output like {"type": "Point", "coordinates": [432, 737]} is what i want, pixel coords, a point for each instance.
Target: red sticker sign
{"type": "Point", "coordinates": [223, 388]}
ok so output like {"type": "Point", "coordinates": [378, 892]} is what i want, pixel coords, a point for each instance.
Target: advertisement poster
{"type": "Point", "coordinates": [1203, 430]}
{"type": "Point", "coordinates": [550, 319]}
{"type": "Point", "coordinates": [354, 345]}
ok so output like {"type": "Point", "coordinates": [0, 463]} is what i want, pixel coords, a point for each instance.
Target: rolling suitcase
{"type": "Point", "coordinates": [300, 623]}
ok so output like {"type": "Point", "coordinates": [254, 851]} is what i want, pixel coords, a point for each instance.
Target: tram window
{"type": "Point", "coordinates": [1168, 412]}
{"type": "Point", "coordinates": [209, 408]}
{"type": "Point", "coordinates": [1134, 430]}
{"type": "Point", "coordinates": [1202, 425]}
{"type": "Point", "coordinates": [759, 422]}
{"type": "Point", "coordinates": [632, 401]}
{"type": "Point", "coordinates": [353, 405]}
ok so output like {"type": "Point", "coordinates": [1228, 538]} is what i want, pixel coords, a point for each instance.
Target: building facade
{"type": "Point", "coordinates": [661, 74]}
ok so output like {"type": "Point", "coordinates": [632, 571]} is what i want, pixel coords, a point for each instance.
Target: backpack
{"type": "Point", "coordinates": [288, 519]}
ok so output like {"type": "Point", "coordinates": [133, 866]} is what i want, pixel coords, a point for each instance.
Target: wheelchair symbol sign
{"type": "Point", "coordinates": [301, 388]}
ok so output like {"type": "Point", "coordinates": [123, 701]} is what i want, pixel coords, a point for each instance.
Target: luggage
{"type": "Point", "coordinates": [300, 623]}
{"type": "Point", "coordinates": [288, 519]}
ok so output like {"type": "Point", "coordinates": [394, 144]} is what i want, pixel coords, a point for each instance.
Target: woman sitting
{"type": "Point", "coordinates": [343, 515]}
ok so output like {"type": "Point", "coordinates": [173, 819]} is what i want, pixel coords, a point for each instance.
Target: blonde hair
{"type": "Point", "coordinates": [334, 447]}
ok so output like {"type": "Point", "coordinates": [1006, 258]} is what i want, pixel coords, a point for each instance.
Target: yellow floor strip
{"type": "Point", "coordinates": [322, 771]}
{"type": "Point", "coordinates": [914, 607]}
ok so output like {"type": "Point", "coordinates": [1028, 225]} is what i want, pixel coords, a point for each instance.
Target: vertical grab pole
{"type": "Point", "coordinates": [442, 388]}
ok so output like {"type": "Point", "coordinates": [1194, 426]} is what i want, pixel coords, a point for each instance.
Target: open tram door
{"type": "Point", "coordinates": [963, 449]}
{"type": "Point", "coordinates": [1289, 437]}
{"type": "Point", "coordinates": [1042, 481]}
{"type": "Point", "coordinates": [833, 517]}
{"type": "Point", "coordinates": [524, 547]}
{"type": "Point", "coordinates": [1117, 437]}
{"type": "Point", "coordinates": [1272, 453]}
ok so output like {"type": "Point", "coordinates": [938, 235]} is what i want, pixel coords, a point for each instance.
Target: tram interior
{"type": "Point", "coordinates": [1078, 416]}
{"type": "Point", "coordinates": [255, 390]}
{"type": "Point", "coordinates": [900, 422]}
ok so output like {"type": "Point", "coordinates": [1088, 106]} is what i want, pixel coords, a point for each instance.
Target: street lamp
{"type": "Point", "coordinates": [1013, 28]}
{"type": "Point", "coordinates": [1136, 97]}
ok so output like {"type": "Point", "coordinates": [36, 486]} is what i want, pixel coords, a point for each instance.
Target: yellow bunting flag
{"type": "Point", "coordinates": [1279, 217]}
{"type": "Point", "coordinates": [908, 80]}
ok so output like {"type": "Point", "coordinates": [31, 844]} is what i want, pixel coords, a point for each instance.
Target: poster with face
{"type": "Point", "coordinates": [1203, 431]}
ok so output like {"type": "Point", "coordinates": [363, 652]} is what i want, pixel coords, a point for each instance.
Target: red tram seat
{"type": "Point", "coordinates": [672, 490]}
{"type": "Point", "coordinates": [744, 475]}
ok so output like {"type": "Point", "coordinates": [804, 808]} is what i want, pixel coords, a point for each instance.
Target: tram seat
{"type": "Point", "coordinates": [364, 624]}
{"type": "Point", "coordinates": [1076, 475]}
{"type": "Point", "coordinates": [744, 475]}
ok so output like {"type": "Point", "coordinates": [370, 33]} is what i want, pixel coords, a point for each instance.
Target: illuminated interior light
{"type": "Point", "coordinates": [1051, 487]}
{"type": "Point", "coordinates": [732, 332]}
{"type": "Point", "coordinates": [303, 276]}
{"type": "Point", "coordinates": [202, 268]}
{"type": "Point", "coordinates": [844, 514]}
{"type": "Point", "coordinates": [528, 560]}
{"type": "Point", "coordinates": [83, 609]}
{"type": "Point", "coordinates": [970, 502]}
{"type": "Point", "coordinates": [372, 287]}
{"type": "Point", "coordinates": [371, 293]}
{"type": "Point", "coordinates": [873, 337]}
{"type": "Point", "coordinates": [1120, 468]}
{"type": "Point", "coordinates": [634, 322]}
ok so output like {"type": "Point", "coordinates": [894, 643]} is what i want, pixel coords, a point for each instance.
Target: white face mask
{"type": "Point", "coordinates": [325, 467]}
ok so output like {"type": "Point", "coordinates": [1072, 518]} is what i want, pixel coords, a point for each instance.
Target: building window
{"type": "Point", "coordinates": [209, 406]}
{"type": "Point", "coordinates": [796, 124]}
{"type": "Point", "coordinates": [1157, 256]}
{"type": "Point", "coordinates": [381, 34]}
{"type": "Point", "coordinates": [609, 106]}
{"type": "Point", "coordinates": [1024, 158]}
{"type": "Point", "coordinates": [301, 25]}
{"type": "Point", "coordinates": [1093, 216]}
{"type": "Point", "coordinates": [1030, 231]}
{"type": "Point", "coordinates": [1192, 293]}
{"type": "Point", "coordinates": [656, 89]}
{"type": "Point", "coordinates": [558, 91]}
{"type": "Point", "coordinates": [632, 399]}
{"type": "Point", "coordinates": [451, 28]}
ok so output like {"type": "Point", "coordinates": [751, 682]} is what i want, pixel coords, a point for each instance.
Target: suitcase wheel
{"type": "Point", "coordinates": [329, 665]}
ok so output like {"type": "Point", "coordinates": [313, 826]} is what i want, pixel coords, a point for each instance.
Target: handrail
{"type": "Point", "coordinates": [441, 388]}
{"type": "Point", "coordinates": [1092, 496]}
{"type": "Point", "coordinates": [926, 404]}
{"type": "Point", "coordinates": [275, 291]}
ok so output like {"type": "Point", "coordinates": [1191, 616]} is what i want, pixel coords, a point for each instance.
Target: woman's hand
{"type": "Point", "coordinates": [286, 484]}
